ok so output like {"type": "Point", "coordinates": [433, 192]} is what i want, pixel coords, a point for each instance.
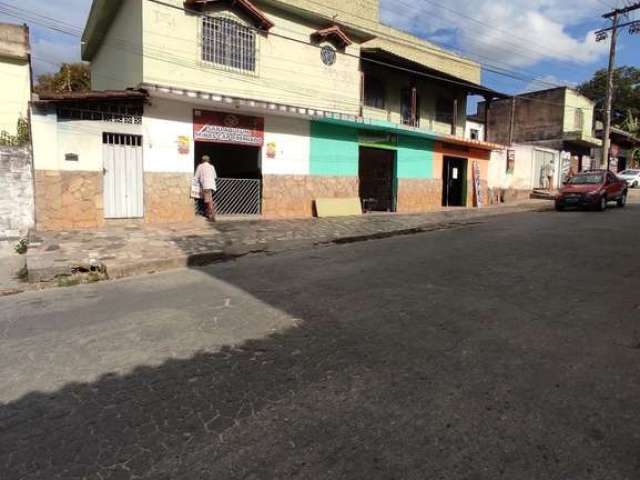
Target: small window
{"type": "Point", "coordinates": [228, 43]}
{"type": "Point", "coordinates": [579, 119]}
{"type": "Point", "coordinates": [374, 93]}
{"type": "Point", "coordinates": [475, 134]}
{"type": "Point", "coordinates": [444, 110]}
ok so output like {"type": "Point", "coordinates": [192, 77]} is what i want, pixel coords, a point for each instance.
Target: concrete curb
{"type": "Point", "coordinates": [233, 253]}
{"type": "Point", "coordinates": [452, 219]}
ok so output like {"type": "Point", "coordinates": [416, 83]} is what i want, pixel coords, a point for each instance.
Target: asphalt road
{"type": "Point", "coordinates": [507, 349]}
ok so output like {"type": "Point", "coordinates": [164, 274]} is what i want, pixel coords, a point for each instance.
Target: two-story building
{"type": "Point", "coordinates": [559, 118]}
{"type": "Point", "coordinates": [293, 100]}
{"type": "Point", "coordinates": [547, 132]}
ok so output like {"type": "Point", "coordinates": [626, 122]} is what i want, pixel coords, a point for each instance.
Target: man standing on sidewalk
{"type": "Point", "coordinates": [206, 175]}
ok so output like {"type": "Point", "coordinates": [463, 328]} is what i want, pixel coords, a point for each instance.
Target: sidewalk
{"type": "Point", "coordinates": [54, 257]}
{"type": "Point", "coordinates": [11, 268]}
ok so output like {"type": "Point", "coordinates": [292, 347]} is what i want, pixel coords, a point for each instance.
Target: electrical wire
{"type": "Point", "coordinates": [417, 73]}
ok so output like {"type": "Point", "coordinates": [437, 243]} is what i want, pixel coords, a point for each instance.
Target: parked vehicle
{"type": "Point", "coordinates": [592, 189]}
{"type": "Point", "coordinates": [632, 177]}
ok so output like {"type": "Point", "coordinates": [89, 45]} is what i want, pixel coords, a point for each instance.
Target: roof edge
{"type": "Point", "coordinates": [261, 21]}
{"type": "Point", "coordinates": [101, 17]}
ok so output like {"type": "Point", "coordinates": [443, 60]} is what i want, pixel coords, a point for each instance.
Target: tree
{"type": "Point", "coordinates": [72, 77]}
{"type": "Point", "coordinates": [631, 124]}
{"type": "Point", "coordinates": [20, 139]}
{"type": "Point", "coordinates": [626, 94]}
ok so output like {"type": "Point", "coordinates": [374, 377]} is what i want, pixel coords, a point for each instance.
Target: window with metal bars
{"type": "Point", "coordinates": [228, 43]}
{"type": "Point", "coordinates": [117, 112]}
{"type": "Point", "coordinates": [121, 139]}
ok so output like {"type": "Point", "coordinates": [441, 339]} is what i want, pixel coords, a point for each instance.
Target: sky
{"type": "Point", "coordinates": [544, 43]}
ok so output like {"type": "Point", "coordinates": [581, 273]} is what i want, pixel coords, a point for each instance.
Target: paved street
{"type": "Point", "coordinates": [504, 349]}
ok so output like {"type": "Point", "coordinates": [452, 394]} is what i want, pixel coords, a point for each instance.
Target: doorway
{"type": "Point", "coordinates": [377, 174]}
{"type": "Point", "coordinates": [239, 170]}
{"type": "Point", "coordinates": [454, 178]}
{"type": "Point", "coordinates": [231, 161]}
{"type": "Point", "coordinates": [123, 185]}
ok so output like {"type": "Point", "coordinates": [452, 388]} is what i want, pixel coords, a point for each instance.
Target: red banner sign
{"type": "Point", "coordinates": [220, 127]}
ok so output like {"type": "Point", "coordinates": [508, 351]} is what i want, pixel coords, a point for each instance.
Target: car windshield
{"type": "Point", "coordinates": [586, 179]}
{"type": "Point", "coordinates": [630, 172]}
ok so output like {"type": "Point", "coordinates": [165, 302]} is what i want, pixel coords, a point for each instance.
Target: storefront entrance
{"type": "Point", "coordinates": [234, 144]}
{"type": "Point", "coordinates": [377, 174]}
{"type": "Point", "coordinates": [454, 178]}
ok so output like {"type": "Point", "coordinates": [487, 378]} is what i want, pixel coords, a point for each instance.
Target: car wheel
{"type": "Point", "coordinates": [602, 206]}
{"type": "Point", "coordinates": [622, 201]}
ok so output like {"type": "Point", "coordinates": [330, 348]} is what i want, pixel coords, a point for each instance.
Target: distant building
{"type": "Point", "coordinates": [623, 147]}
{"type": "Point", "coordinates": [545, 132]}
{"type": "Point", "coordinates": [15, 71]}
{"type": "Point", "coordinates": [560, 119]}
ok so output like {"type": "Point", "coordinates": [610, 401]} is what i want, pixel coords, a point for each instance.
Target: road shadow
{"type": "Point", "coordinates": [429, 356]}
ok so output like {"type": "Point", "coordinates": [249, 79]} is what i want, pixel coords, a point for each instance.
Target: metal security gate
{"type": "Point", "coordinates": [238, 196]}
{"type": "Point", "coordinates": [123, 176]}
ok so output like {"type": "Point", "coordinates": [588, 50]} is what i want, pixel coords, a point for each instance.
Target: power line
{"type": "Point", "coordinates": [614, 16]}
{"type": "Point", "coordinates": [385, 64]}
{"type": "Point", "coordinates": [417, 73]}
{"type": "Point", "coordinates": [493, 29]}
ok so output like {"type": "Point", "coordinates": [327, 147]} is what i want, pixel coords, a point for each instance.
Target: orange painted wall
{"type": "Point", "coordinates": [471, 154]}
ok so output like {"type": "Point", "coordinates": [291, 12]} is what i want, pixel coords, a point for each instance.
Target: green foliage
{"type": "Point", "coordinates": [631, 124]}
{"type": "Point", "coordinates": [22, 246]}
{"type": "Point", "coordinates": [20, 139]}
{"type": "Point", "coordinates": [72, 77]}
{"type": "Point", "coordinates": [626, 93]}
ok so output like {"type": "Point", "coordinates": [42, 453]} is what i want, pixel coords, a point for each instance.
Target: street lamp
{"type": "Point", "coordinates": [601, 36]}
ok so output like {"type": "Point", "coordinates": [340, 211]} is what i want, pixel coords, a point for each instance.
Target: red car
{"type": "Point", "coordinates": [592, 189]}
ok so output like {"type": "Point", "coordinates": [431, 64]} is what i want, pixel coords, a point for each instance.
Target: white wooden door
{"type": "Point", "coordinates": [123, 176]}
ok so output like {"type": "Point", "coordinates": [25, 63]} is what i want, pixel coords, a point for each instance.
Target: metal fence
{"type": "Point", "coordinates": [238, 196]}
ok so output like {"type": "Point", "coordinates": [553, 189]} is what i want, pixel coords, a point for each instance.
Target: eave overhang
{"type": "Point", "coordinates": [333, 34]}
{"type": "Point", "coordinates": [258, 18]}
{"type": "Point", "coordinates": [202, 99]}
{"type": "Point", "coordinates": [386, 58]}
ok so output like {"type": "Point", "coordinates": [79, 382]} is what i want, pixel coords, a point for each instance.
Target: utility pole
{"type": "Point", "coordinates": [606, 145]}
{"type": "Point", "coordinates": [614, 16]}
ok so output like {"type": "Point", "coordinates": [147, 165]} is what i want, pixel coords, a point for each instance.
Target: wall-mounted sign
{"type": "Point", "coordinates": [184, 145]}
{"type": "Point", "coordinates": [615, 150]}
{"type": "Point", "coordinates": [511, 161]}
{"type": "Point", "coordinates": [272, 150]}
{"type": "Point", "coordinates": [328, 56]}
{"type": "Point", "coordinates": [380, 139]}
{"type": "Point", "coordinates": [71, 157]}
{"type": "Point", "coordinates": [220, 127]}
{"type": "Point", "coordinates": [477, 184]}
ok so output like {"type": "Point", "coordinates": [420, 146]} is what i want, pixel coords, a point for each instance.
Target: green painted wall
{"type": "Point", "coordinates": [334, 150]}
{"type": "Point", "coordinates": [415, 158]}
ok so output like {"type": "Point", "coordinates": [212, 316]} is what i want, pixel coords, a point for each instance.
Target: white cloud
{"type": "Point", "coordinates": [513, 33]}
{"type": "Point", "coordinates": [546, 81]}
